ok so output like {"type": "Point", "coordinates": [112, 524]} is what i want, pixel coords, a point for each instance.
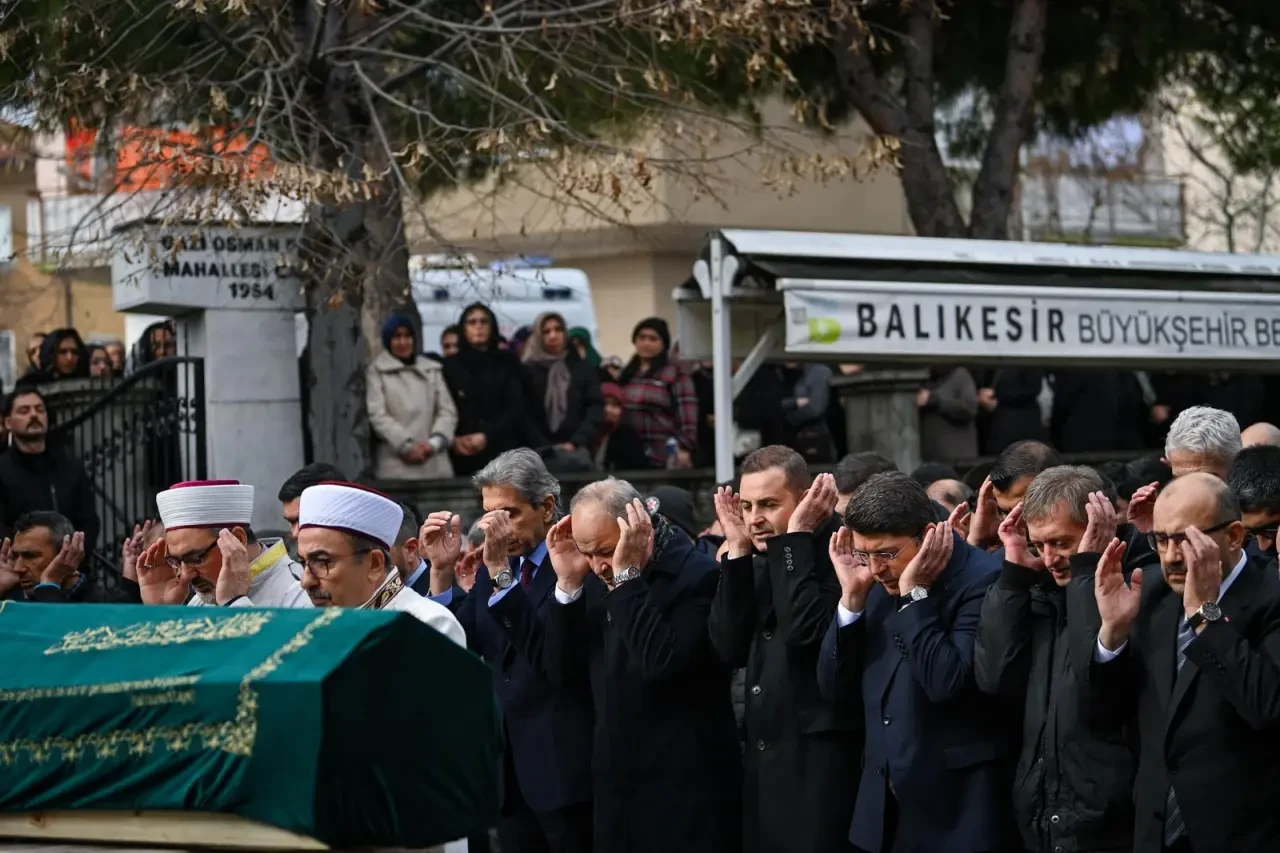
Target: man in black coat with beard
{"type": "Point", "coordinates": [777, 594]}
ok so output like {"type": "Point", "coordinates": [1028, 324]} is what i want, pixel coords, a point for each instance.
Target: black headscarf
{"type": "Point", "coordinates": [49, 356]}
{"type": "Point", "coordinates": [144, 349]}
{"type": "Point", "coordinates": [658, 326]}
{"type": "Point", "coordinates": [466, 351]}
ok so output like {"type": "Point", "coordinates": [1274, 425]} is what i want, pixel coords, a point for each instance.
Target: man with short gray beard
{"type": "Point", "coordinates": [1072, 787]}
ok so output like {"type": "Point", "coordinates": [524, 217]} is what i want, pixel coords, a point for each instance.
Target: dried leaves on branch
{"type": "Point", "coordinates": [332, 102]}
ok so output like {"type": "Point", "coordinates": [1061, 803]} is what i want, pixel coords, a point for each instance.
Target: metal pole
{"type": "Point", "coordinates": [721, 363]}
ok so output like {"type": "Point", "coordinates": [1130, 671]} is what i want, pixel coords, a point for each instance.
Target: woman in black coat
{"type": "Point", "coordinates": [563, 400]}
{"type": "Point", "coordinates": [486, 386]}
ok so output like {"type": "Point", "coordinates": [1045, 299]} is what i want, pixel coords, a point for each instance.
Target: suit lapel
{"type": "Point", "coordinates": [544, 580]}
{"type": "Point", "coordinates": [1164, 647]}
{"type": "Point", "coordinates": [1235, 605]}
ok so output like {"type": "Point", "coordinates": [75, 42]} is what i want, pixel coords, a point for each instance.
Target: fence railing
{"type": "Point", "coordinates": [135, 437]}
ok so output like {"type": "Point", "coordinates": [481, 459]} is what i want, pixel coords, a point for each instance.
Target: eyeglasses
{"type": "Point", "coordinates": [866, 558]}
{"type": "Point", "coordinates": [1263, 532]}
{"type": "Point", "coordinates": [321, 566]}
{"type": "Point", "coordinates": [195, 560]}
{"type": "Point", "coordinates": [1157, 541]}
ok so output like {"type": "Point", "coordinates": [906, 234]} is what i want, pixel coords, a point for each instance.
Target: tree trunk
{"type": "Point", "coordinates": [355, 257]}
{"type": "Point", "coordinates": [931, 200]}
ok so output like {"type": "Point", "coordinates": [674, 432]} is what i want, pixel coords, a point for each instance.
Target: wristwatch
{"type": "Point", "coordinates": [630, 573]}
{"type": "Point", "coordinates": [916, 593]}
{"type": "Point", "coordinates": [504, 579]}
{"type": "Point", "coordinates": [1208, 612]}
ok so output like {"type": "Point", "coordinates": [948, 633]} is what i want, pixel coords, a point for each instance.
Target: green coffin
{"type": "Point", "coordinates": [357, 728]}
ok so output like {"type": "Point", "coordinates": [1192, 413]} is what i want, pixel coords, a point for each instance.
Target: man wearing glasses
{"type": "Point", "coordinates": [936, 775]}
{"type": "Point", "coordinates": [345, 536]}
{"type": "Point", "coordinates": [1073, 788]}
{"type": "Point", "coordinates": [210, 556]}
{"type": "Point", "coordinates": [1191, 657]}
{"type": "Point", "coordinates": [1255, 481]}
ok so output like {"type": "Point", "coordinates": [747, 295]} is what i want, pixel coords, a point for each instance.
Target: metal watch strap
{"type": "Point", "coordinates": [630, 573]}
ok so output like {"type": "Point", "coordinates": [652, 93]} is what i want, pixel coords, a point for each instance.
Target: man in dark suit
{"type": "Point", "coordinates": [1193, 656]}
{"type": "Point", "coordinates": [777, 594]}
{"type": "Point", "coordinates": [547, 783]}
{"type": "Point", "coordinates": [936, 774]}
{"type": "Point", "coordinates": [666, 767]}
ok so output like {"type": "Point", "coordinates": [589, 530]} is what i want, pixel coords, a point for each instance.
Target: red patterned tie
{"type": "Point", "coordinates": [526, 572]}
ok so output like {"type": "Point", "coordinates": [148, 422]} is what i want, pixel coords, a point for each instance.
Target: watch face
{"type": "Point", "coordinates": [504, 578]}
{"type": "Point", "coordinates": [1211, 611]}
{"type": "Point", "coordinates": [918, 593]}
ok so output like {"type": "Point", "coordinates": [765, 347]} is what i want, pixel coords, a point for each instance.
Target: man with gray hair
{"type": "Point", "coordinates": [1203, 439]}
{"type": "Point", "coordinates": [547, 796]}
{"type": "Point", "coordinates": [667, 766]}
{"type": "Point", "coordinates": [1072, 786]}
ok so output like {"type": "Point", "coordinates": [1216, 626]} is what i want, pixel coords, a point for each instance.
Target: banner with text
{"type": "Point", "coordinates": [874, 318]}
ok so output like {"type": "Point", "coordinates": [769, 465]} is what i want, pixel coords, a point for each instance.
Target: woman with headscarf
{"type": "Point", "coordinates": [63, 355]}
{"type": "Point", "coordinates": [658, 397]}
{"type": "Point", "coordinates": [410, 408]}
{"type": "Point", "coordinates": [564, 403]}
{"type": "Point", "coordinates": [156, 342]}
{"type": "Point", "coordinates": [100, 366]}
{"type": "Point", "coordinates": [580, 341]}
{"type": "Point", "coordinates": [486, 385]}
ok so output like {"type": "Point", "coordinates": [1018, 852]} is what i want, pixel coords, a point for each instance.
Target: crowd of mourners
{"type": "Point", "coordinates": [1070, 658]}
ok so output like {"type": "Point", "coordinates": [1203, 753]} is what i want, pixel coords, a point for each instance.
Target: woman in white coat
{"type": "Point", "coordinates": [410, 408]}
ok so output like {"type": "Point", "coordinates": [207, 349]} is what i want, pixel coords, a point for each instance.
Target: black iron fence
{"type": "Point", "coordinates": [135, 436]}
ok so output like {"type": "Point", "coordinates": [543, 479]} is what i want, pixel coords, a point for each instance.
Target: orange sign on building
{"type": "Point", "coordinates": [158, 158]}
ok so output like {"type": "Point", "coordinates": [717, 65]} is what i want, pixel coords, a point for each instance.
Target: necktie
{"type": "Point", "coordinates": [526, 572]}
{"type": "Point", "coordinates": [1174, 828]}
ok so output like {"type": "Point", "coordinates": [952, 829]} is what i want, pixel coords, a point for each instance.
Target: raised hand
{"type": "Point", "coordinates": [468, 565]}
{"type": "Point", "coordinates": [132, 550]}
{"type": "Point", "coordinates": [816, 506]}
{"type": "Point", "coordinates": [1203, 560]}
{"type": "Point", "coordinates": [984, 529]}
{"type": "Point", "coordinates": [498, 534]}
{"type": "Point", "coordinates": [1101, 528]}
{"type": "Point", "coordinates": [729, 512]}
{"type": "Point", "coordinates": [1142, 508]}
{"type": "Point", "coordinates": [234, 577]}
{"type": "Point", "coordinates": [570, 566]}
{"type": "Point", "coordinates": [856, 579]}
{"type": "Point", "coordinates": [1118, 601]}
{"type": "Point", "coordinates": [1014, 537]}
{"type": "Point", "coordinates": [960, 519]}
{"type": "Point", "coordinates": [930, 560]}
{"type": "Point", "coordinates": [9, 577]}
{"type": "Point", "coordinates": [441, 539]}
{"type": "Point", "coordinates": [635, 539]}
{"type": "Point", "coordinates": [66, 562]}
{"type": "Point", "coordinates": [158, 583]}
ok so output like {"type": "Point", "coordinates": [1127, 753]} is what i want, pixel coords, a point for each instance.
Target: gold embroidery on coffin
{"type": "Point", "coordinates": [171, 632]}
{"type": "Point", "coordinates": [33, 693]}
{"type": "Point", "coordinates": [235, 736]}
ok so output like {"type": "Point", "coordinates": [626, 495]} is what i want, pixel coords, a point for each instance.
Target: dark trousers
{"type": "Point", "coordinates": [523, 830]}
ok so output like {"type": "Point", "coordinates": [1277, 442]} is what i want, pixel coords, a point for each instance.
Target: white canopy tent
{"type": "Point", "coordinates": [761, 295]}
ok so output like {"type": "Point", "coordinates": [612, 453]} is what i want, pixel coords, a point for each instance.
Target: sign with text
{"type": "Point", "coordinates": [867, 319]}
{"type": "Point", "coordinates": [176, 269]}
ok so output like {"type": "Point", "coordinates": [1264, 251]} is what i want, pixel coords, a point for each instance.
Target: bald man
{"type": "Point", "coordinates": [1261, 433]}
{"type": "Point", "coordinates": [1191, 657]}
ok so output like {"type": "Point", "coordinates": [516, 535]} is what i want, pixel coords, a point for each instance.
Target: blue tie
{"type": "Point", "coordinates": [1174, 827]}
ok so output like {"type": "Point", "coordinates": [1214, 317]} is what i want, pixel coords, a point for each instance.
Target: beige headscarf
{"type": "Point", "coordinates": [556, 399]}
